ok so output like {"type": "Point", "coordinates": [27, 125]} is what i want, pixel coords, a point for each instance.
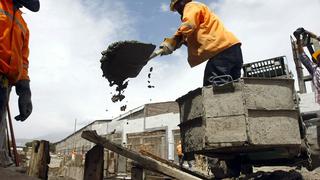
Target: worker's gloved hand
{"type": "Point", "coordinates": [25, 104]}
{"type": "Point", "coordinates": [298, 32]}
{"type": "Point", "coordinates": [168, 46]}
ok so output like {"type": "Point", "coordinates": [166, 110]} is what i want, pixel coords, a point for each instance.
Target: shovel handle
{"type": "Point", "coordinates": [155, 54]}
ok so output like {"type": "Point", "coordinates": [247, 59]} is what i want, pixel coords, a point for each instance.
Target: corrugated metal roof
{"type": "Point", "coordinates": [96, 121]}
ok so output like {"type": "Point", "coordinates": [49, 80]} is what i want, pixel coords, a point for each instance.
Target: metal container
{"type": "Point", "coordinates": [254, 115]}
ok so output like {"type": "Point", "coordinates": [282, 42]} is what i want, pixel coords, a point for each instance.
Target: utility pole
{"type": "Point", "coordinates": [74, 134]}
{"type": "Point", "coordinates": [75, 125]}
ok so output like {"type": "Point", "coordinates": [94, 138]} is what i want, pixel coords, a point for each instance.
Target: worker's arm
{"type": "Point", "coordinates": [305, 60]}
{"type": "Point", "coordinates": [23, 85]}
{"type": "Point", "coordinates": [25, 58]}
{"type": "Point", "coordinates": [313, 35]}
{"type": "Point", "coordinates": [190, 21]}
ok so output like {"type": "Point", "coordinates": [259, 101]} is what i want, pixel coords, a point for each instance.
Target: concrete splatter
{"type": "Point", "coordinates": [149, 77]}
{"type": "Point", "coordinates": [123, 108]}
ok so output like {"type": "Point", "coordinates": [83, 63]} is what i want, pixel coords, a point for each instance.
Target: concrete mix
{"type": "Point", "coordinates": [123, 60]}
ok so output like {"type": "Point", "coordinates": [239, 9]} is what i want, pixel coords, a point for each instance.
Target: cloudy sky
{"type": "Point", "coordinates": [67, 37]}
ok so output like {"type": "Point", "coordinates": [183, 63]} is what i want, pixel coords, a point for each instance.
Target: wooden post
{"type": "Point", "coordinates": [299, 68]}
{"type": "Point", "coordinates": [93, 166]}
{"type": "Point", "coordinates": [13, 139]}
{"type": "Point", "coordinates": [40, 158]}
{"type": "Point", "coordinates": [106, 165]}
{"type": "Point", "coordinates": [137, 172]}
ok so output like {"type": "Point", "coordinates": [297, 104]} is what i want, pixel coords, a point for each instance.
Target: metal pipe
{"type": "Point", "coordinates": [13, 140]}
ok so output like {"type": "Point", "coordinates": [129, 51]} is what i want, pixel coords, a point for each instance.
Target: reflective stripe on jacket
{"type": "Point", "coordinates": [14, 40]}
{"type": "Point", "coordinates": [204, 33]}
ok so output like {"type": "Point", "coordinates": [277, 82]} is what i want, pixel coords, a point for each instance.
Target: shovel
{"type": "Point", "coordinates": [125, 59]}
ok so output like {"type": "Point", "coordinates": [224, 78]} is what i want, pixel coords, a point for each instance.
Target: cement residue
{"type": "Point", "coordinates": [123, 60]}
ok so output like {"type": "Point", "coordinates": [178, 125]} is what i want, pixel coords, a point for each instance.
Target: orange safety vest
{"type": "Point", "coordinates": [179, 150]}
{"type": "Point", "coordinates": [14, 40]}
{"type": "Point", "coordinates": [204, 33]}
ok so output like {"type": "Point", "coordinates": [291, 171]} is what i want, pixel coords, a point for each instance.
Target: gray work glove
{"type": "Point", "coordinates": [168, 46]}
{"type": "Point", "coordinates": [25, 104]}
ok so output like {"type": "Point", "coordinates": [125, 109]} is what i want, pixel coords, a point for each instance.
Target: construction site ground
{"type": "Point", "coordinates": [260, 173]}
{"type": "Point", "coordinates": [314, 175]}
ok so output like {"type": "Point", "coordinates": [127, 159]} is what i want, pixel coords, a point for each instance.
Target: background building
{"type": "Point", "coordinates": [152, 127]}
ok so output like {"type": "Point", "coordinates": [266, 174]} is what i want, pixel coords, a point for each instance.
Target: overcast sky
{"type": "Point", "coordinates": [67, 37]}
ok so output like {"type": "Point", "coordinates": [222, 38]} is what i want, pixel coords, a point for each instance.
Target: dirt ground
{"type": "Point", "coordinates": [12, 174]}
{"type": "Point", "coordinates": [282, 173]}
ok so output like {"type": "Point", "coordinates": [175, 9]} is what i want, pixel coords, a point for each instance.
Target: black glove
{"type": "Point", "coordinates": [299, 32]}
{"type": "Point", "coordinates": [25, 104]}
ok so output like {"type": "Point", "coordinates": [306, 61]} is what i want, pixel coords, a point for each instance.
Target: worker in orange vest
{"type": "Point", "coordinates": [181, 156]}
{"type": "Point", "coordinates": [207, 39]}
{"type": "Point", "coordinates": [179, 152]}
{"type": "Point", "coordinates": [14, 52]}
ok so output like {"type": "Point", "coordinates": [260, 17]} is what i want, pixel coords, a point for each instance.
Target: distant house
{"type": "Point", "coordinates": [152, 127]}
{"type": "Point", "coordinates": [74, 142]}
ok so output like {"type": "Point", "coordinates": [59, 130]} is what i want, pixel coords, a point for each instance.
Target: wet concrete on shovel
{"type": "Point", "coordinates": [123, 60]}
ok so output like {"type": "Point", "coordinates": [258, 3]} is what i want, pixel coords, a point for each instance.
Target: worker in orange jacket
{"type": "Point", "coordinates": [181, 155]}
{"type": "Point", "coordinates": [14, 52]}
{"type": "Point", "coordinates": [207, 39]}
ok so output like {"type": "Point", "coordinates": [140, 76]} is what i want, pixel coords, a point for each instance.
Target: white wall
{"type": "Point", "coordinates": [168, 121]}
{"type": "Point", "coordinates": [171, 121]}
{"type": "Point", "coordinates": [308, 102]}
{"type": "Point", "coordinates": [101, 128]}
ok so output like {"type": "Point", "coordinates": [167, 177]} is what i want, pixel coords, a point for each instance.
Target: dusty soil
{"type": "Point", "coordinates": [13, 174]}
{"type": "Point", "coordinates": [59, 178]}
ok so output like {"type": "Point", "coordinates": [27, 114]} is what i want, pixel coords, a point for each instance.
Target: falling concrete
{"type": "Point", "coordinates": [125, 59]}
{"type": "Point", "coordinates": [123, 108]}
{"type": "Point", "coordinates": [149, 77]}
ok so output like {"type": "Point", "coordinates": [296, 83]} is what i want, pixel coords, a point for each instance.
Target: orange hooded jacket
{"type": "Point", "coordinates": [204, 33]}
{"type": "Point", "coordinates": [179, 150]}
{"type": "Point", "coordinates": [14, 40]}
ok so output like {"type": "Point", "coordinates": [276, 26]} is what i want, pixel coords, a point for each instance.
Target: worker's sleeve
{"type": "Point", "coordinates": [25, 58]}
{"type": "Point", "coordinates": [317, 77]}
{"type": "Point", "coordinates": [305, 60]}
{"type": "Point", "coordinates": [190, 21]}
